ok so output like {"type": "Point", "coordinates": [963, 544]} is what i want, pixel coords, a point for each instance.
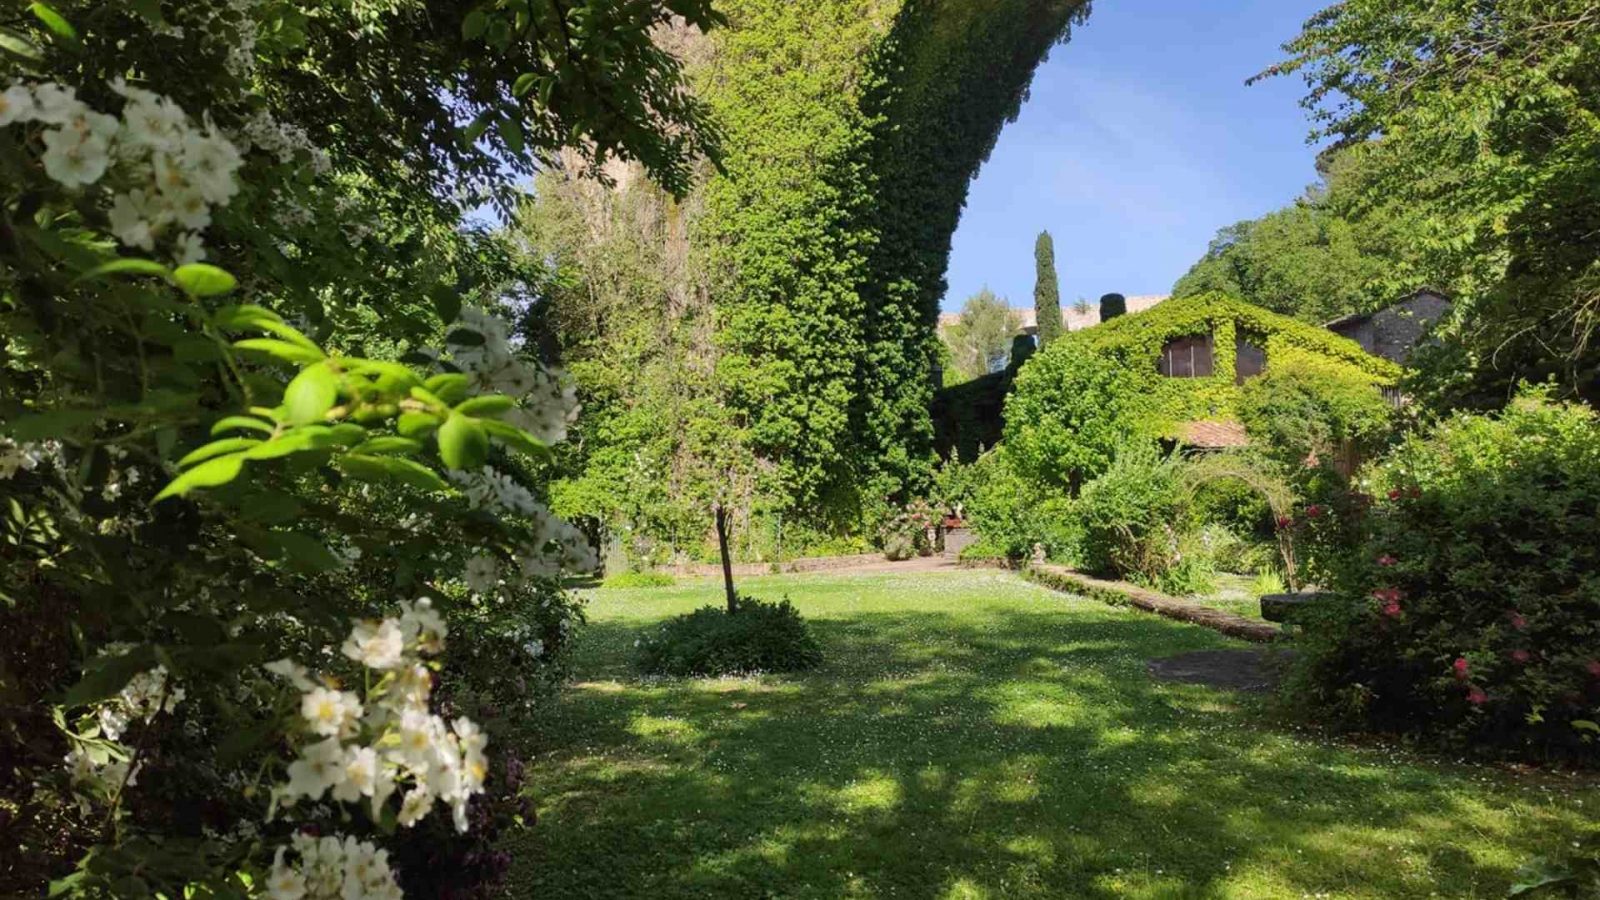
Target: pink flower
{"type": "Point", "coordinates": [1594, 667]}
{"type": "Point", "coordinates": [1461, 668]}
{"type": "Point", "coordinates": [1313, 511]}
{"type": "Point", "coordinates": [1394, 494]}
{"type": "Point", "coordinates": [1521, 656]}
{"type": "Point", "coordinates": [1517, 621]}
{"type": "Point", "coordinates": [1285, 521]}
{"type": "Point", "coordinates": [1388, 594]}
{"type": "Point", "coordinates": [1415, 493]}
{"type": "Point", "coordinates": [1386, 560]}
{"type": "Point", "coordinates": [1392, 609]}
{"type": "Point", "coordinates": [1476, 696]}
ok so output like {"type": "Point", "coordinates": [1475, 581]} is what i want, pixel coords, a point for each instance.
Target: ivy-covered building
{"type": "Point", "coordinates": [1204, 348]}
{"type": "Point", "coordinates": [1201, 351]}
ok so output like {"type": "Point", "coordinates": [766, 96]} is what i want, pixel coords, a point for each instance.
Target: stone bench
{"type": "Point", "coordinates": [1286, 608]}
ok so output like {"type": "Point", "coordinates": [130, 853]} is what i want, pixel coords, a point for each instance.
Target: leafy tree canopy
{"type": "Point", "coordinates": [1484, 120]}
{"type": "Point", "coordinates": [983, 333]}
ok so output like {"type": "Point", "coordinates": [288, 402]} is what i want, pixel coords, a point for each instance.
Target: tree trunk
{"type": "Point", "coordinates": [727, 561]}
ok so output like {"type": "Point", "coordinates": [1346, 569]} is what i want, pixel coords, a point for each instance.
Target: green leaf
{"type": "Point", "coordinates": [449, 387]}
{"type": "Point", "coordinates": [311, 394]}
{"type": "Point", "coordinates": [56, 423]}
{"type": "Point", "coordinates": [211, 473]}
{"type": "Point", "coordinates": [473, 25]}
{"type": "Point", "coordinates": [149, 9]}
{"type": "Point", "coordinates": [388, 444]}
{"type": "Point", "coordinates": [511, 133]}
{"type": "Point", "coordinates": [391, 468]}
{"type": "Point", "coordinates": [14, 44]}
{"type": "Point", "coordinates": [446, 302]}
{"type": "Point", "coordinates": [516, 438]}
{"type": "Point", "coordinates": [486, 405]}
{"type": "Point", "coordinates": [244, 316]}
{"type": "Point", "coordinates": [127, 266]}
{"type": "Point", "coordinates": [347, 434]}
{"type": "Point", "coordinates": [269, 507]}
{"type": "Point", "coordinates": [417, 424]}
{"type": "Point", "coordinates": [230, 423]}
{"type": "Point", "coordinates": [305, 553]}
{"type": "Point", "coordinates": [239, 742]}
{"type": "Point", "coordinates": [204, 280]}
{"type": "Point", "coordinates": [54, 21]}
{"type": "Point", "coordinates": [297, 440]}
{"type": "Point", "coordinates": [524, 83]}
{"type": "Point", "coordinates": [216, 448]}
{"type": "Point", "coordinates": [104, 676]}
{"type": "Point", "coordinates": [475, 130]}
{"type": "Point", "coordinates": [289, 334]}
{"type": "Point", "coordinates": [298, 354]}
{"type": "Point", "coordinates": [463, 444]}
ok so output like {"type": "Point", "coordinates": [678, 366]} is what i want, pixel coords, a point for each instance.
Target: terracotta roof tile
{"type": "Point", "coordinates": [1214, 435]}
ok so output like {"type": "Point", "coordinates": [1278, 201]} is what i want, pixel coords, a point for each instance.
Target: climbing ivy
{"type": "Point", "coordinates": [1094, 392]}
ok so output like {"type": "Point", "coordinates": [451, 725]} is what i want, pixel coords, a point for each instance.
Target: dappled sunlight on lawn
{"type": "Point", "coordinates": [973, 735]}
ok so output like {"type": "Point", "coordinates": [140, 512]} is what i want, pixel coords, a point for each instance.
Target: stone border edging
{"type": "Point", "coordinates": [1118, 593]}
{"type": "Point", "coordinates": [803, 564]}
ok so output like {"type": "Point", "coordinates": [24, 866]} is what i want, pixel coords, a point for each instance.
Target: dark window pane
{"type": "Point", "coordinates": [1248, 360]}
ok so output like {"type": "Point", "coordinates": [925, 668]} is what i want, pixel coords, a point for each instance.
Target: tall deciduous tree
{"type": "Point", "coordinates": [1484, 117]}
{"type": "Point", "coordinates": [983, 333]}
{"type": "Point", "coordinates": [1324, 255]}
{"type": "Point", "coordinates": [1111, 306]}
{"type": "Point", "coordinates": [1046, 290]}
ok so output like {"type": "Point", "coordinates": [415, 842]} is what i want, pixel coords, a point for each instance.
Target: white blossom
{"type": "Point", "coordinates": [376, 645]}
{"type": "Point", "coordinates": [329, 712]}
{"type": "Point", "coordinates": [330, 868]}
{"type": "Point", "coordinates": [74, 159]}
{"type": "Point", "coordinates": [482, 574]}
{"type": "Point", "coordinates": [16, 105]}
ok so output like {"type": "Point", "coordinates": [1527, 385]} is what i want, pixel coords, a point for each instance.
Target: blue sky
{"type": "Point", "coordinates": [1140, 140]}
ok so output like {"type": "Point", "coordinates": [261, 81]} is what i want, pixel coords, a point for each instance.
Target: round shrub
{"type": "Point", "coordinates": [758, 637]}
{"type": "Point", "coordinates": [1072, 411]}
{"type": "Point", "coordinates": [1133, 517]}
{"type": "Point", "coordinates": [1312, 408]}
{"type": "Point", "coordinates": [1011, 514]}
{"type": "Point", "coordinates": [1473, 601]}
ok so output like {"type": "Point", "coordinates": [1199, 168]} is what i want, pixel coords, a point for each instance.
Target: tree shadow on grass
{"type": "Point", "coordinates": [1013, 753]}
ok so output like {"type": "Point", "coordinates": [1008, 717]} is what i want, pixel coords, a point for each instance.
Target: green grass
{"type": "Point", "coordinates": [1235, 594]}
{"type": "Point", "coordinates": [973, 735]}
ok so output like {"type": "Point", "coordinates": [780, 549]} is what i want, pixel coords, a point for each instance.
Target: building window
{"type": "Point", "coordinates": [1187, 357]}
{"type": "Point", "coordinates": [1249, 359]}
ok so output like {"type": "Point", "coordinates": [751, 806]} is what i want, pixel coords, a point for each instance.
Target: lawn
{"type": "Point", "coordinates": [974, 735]}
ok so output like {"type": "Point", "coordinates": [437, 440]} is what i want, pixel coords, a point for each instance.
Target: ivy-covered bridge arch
{"type": "Point", "coordinates": [854, 128]}
{"type": "Point", "coordinates": [784, 363]}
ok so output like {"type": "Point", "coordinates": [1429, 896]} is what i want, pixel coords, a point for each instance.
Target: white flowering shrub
{"type": "Point", "coordinates": [257, 380]}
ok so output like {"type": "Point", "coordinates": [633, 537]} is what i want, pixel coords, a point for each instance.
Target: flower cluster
{"type": "Point", "coordinates": [328, 868]}
{"type": "Point", "coordinates": [373, 747]}
{"type": "Point", "coordinates": [174, 172]}
{"type": "Point", "coordinates": [26, 457]}
{"type": "Point", "coordinates": [285, 141]}
{"type": "Point", "coordinates": [97, 759]}
{"type": "Point", "coordinates": [548, 400]}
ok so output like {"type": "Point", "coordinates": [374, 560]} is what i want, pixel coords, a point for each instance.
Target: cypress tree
{"type": "Point", "coordinates": [1046, 291]}
{"type": "Point", "coordinates": [1111, 306]}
